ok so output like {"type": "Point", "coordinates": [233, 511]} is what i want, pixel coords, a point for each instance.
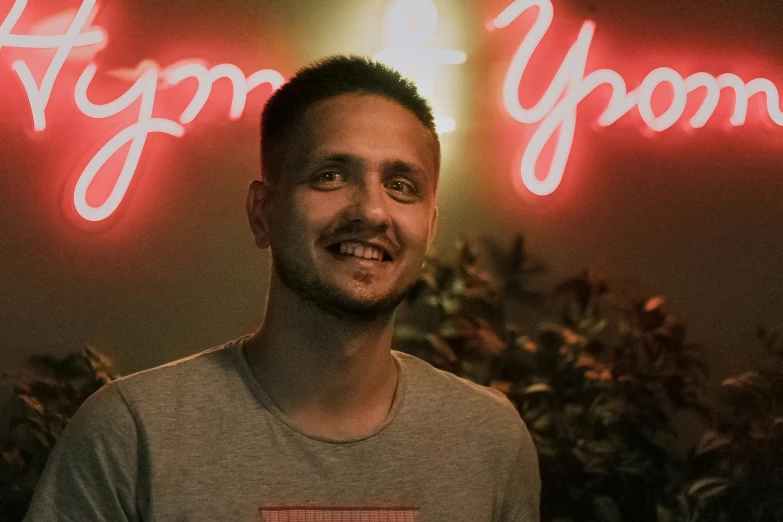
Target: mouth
{"type": "Point", "coordinates": [360, 250]}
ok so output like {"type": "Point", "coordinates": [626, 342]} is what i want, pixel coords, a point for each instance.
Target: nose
{"type": "Point", "coordinates": [370, 205]}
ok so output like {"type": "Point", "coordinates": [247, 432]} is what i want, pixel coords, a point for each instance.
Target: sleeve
{"type": "Point", "coordinates": [91, 474]}
{"type": "Point", "coordinates": [521, 501]}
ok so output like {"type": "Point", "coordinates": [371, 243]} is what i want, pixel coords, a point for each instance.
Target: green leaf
{"type": "Point", "coordinates": [605, 509]}
{"type": "Point", "coordinates": [597, 469]}
{"type": "Point", "coordinates": [597, 447]}
{"type": "Point", "coordinates": [33, 403]}
{"type": "Point", "coordinates": [637, 465]}
{"type": "Point", "coordinates": [712, 442]}
{"type": "Point", "coordinates": [777, 429]}
{"type": "Point", "coordinates": [539, 387]}
{"type": "Point", "coordinates": [753, 384]}
{"type": "Point", "coordinates": [593, 329]}
{"type": "Point", "coordinates": [441, 347]}
{"type": "Point", "coordinates": [676, 511]}
{"type": "Point", "coordinates": [664, 514]}
{"type": "Point", "coordinates": [408, 332]}
{"type": "Point", "coordinates": [542, 424]}
{"type": "Point", "coordinates": [706, 489]}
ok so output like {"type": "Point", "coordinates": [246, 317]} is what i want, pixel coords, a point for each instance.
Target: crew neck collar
{"type": "Point", "coordinates": [260, 393]}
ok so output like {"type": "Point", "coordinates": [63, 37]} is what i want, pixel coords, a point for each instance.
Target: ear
{"type": "Point", "coordinates": [256, 206]}
{"type": "Point", "coordinates": [433, 226]}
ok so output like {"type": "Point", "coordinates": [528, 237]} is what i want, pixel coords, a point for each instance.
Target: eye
{"type": "Point", "coordinates": [402, 189]}
{"type": "Point", "coordinates": [327, 179]}
{"type": "Point", "coordinates": [328, 176]}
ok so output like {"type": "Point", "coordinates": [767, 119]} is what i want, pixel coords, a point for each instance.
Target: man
{"type": "Point", "coordinates": [314, 416]}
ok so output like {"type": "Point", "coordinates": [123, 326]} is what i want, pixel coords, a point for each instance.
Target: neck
{"type": "Point", "coordinates": [320, 369]}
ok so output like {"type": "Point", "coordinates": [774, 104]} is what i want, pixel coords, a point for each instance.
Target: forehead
{"type": "Point", "coordinates": [368, 126]}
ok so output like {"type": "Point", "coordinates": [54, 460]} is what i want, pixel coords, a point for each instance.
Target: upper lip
{"type": "Point", "coordinates": [383, 246]}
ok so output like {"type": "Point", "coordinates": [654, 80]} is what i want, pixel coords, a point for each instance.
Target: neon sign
{"type": "Point", "coordinates": [557, 109]}
{"type": "Point", "coordinates": [404, 52]}
{"type": "Point", "coordinates": [147, 79]}
{"type": "Point", "coordinates": [74, 38]}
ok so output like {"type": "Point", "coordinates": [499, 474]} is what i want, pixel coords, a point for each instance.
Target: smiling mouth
{"type": "Point", "coordinates": [359, 251]}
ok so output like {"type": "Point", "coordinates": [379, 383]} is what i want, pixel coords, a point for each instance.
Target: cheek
{"type": "Point", "coordinates": [414, 226]}
{"type": "Point", "coordinates": [292, 226]}
{"type": "Point", "coordinates": [318, 212]}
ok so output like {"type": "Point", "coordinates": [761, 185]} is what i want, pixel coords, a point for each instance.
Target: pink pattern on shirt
{"type": "Point", "coordinates": [307, 514]}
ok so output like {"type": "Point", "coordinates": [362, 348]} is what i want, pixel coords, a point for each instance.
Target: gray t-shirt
{"type": "Point", "coordinates": [200, 440]}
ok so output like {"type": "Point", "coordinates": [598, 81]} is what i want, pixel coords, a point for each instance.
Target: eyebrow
{"type": "Point", "coordinates": [402, 167]}
{"type": "Point", "coordinates": [343, 159]}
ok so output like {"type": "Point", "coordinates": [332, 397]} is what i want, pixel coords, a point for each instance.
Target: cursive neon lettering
{"type": "Point", "coordinates": [147, 79]}
{"type": "Point", "coordinates": [39, 96]}
{"type": "Point", "coordinates": [143, 89]}
{"type": "Point", "coordinates": [206, 77]}
{"type": "Point", "coordinates": [556, 111]}
{"type": "Point", "coordinates": [404, 50]}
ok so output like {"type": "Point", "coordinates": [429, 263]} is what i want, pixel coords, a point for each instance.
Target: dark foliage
{"type": "Point", "coordinates": [597, 387]}
{"type": "Point", "coordinates": [737, 467]}
{"type": "Point", "coordinates": [48, 391]}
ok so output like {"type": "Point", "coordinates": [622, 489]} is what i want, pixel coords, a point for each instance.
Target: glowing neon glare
{"type": "Point", "coordinates": [673, 113]}
{"type": "Point", "coordinates": [59, 23]}
{"type": "Point", "coordinates": [760, 85]}
{"type": "Point", "coordinates": [710, 103]}
{"type": "Point", "coordinates": [242, 86]}
{"type": "Point", "coordinates": [147, 78]}
{"type": "Point", "coordinates": [39, 96]}
{"type": "Point", "coordinates": [44, 41]}
{"type": "Point", "coordinates": [136, 134]}
{"type": "Point", "coordinates": [556, 111]}
{"type": "Point", "coordinates": [404, 49]}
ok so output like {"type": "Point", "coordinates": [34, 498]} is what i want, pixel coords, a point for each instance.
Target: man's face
{"type": "Point", "coordinates": [352, 211]}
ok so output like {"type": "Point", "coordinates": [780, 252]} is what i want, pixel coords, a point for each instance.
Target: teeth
{"type": "Point", "coordinates": [363, 251]}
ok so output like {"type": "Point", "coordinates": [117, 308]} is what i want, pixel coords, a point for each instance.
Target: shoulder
{"type": "Point", "coordinates": [92, 471]}
{"type": "Point", "coordinates": [445, 383]}
{"type": "Point", "coordinates": [479, 423]}
{"type": "Point", "coordinates": [190, 377]}
{"type": "Point", "coordinates": [461, 400]}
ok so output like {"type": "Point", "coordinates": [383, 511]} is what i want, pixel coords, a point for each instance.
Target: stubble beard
{"type": "Point", "coordinates": [330, 298]}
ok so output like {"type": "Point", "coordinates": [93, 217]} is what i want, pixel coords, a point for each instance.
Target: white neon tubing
{"type": "Point", "coordinates": [39, 96]}
{"type": "Point", "coordinates": [207, 77]}
{"type": "Point", "coordinates": [677, 107]}
{"type": "Point", "coordinates": [143, 89]}
{"type": "Point", "coordinates": [556, 111]}
{"type": "Point", "coordinates": [406, 49]}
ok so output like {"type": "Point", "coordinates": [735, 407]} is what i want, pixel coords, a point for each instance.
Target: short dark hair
{"type": "Point", "coordinates": [327, 78]}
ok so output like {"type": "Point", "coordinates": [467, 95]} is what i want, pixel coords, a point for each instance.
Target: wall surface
{"type": "Point", "coordinates": [692, 214]}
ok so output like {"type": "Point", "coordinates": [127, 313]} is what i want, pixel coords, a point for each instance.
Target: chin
{"type": "Point", "coordinates": [349, 298]}
{"type": "Point", "coordinates": [368, 308]}
{"type": "Point", "coordinates": [362, 306]}
{"type": "Point", "coordinates": [361, 311]}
